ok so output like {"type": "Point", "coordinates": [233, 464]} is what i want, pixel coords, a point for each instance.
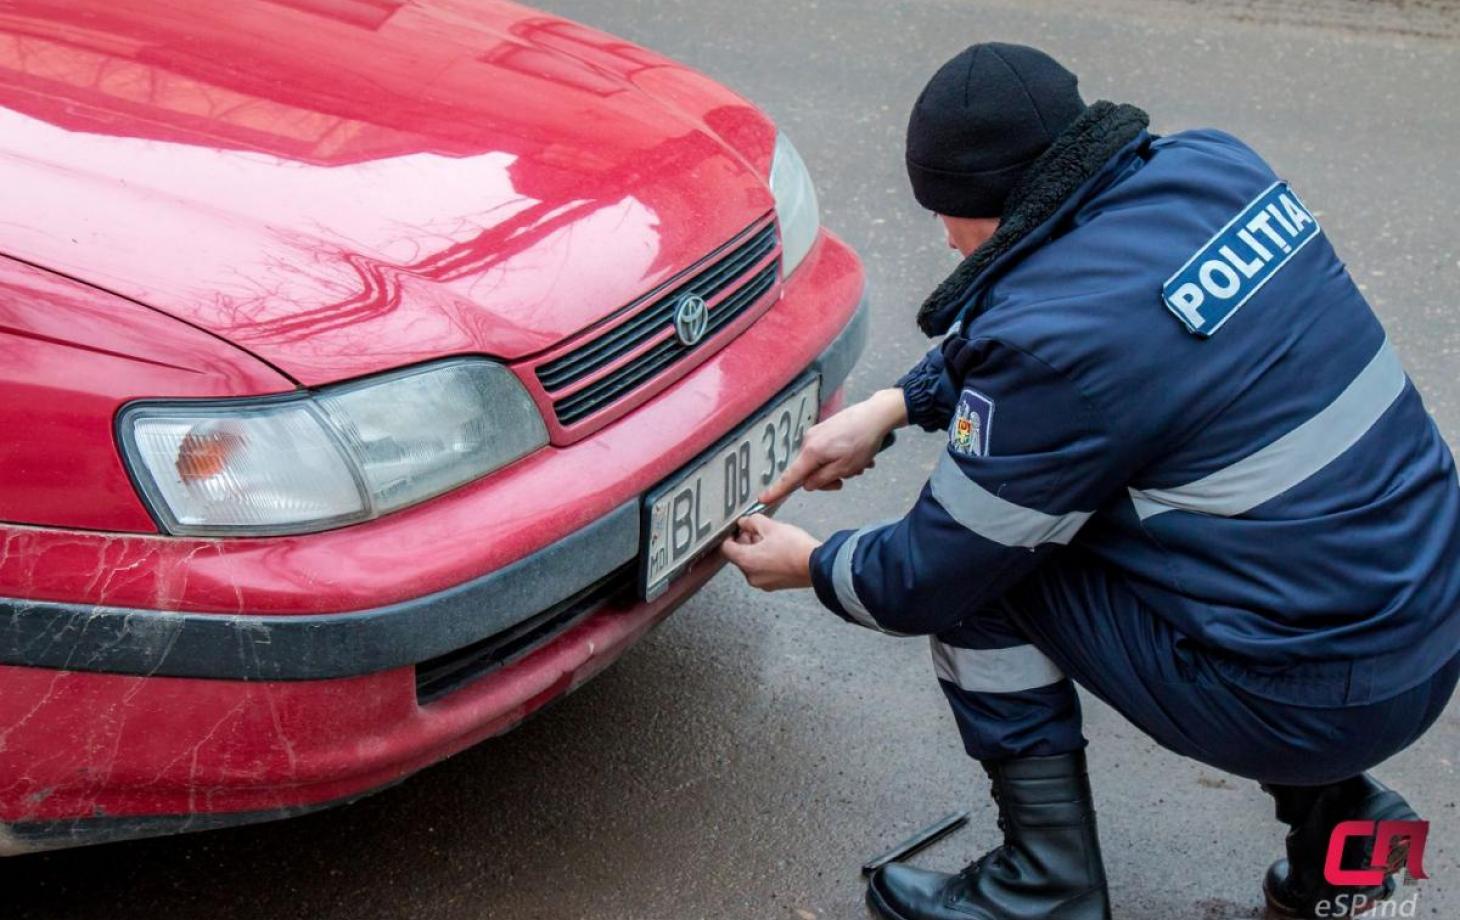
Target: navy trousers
{"type": "Point", "coordinates": [1008, 671]}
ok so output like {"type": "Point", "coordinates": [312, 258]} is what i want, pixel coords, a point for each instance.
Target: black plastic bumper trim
{"type": "Point", "coordinates": [837, 360]}
{"type": "Point", "coordinates": [29, 837]}
{"type": "Point", "coordinates": [118, 640]}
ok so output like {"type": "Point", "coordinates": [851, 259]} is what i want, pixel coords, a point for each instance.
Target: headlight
{"type": "Point", "coordinates": [795, 204]}
{"type": "Point", "coordinates": [308, 462]}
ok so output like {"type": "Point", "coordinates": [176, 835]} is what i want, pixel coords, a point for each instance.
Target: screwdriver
{"type": "Point", "coordinates": [761, 507]}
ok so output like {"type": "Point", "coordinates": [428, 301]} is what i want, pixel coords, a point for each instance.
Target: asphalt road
{"type": "Point", "coordinates": [746, 758]}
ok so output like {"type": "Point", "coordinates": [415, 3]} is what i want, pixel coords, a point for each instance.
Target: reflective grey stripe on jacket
{"type": "Point", "coordinates": [845, 585]}
{"type": "Point", "coordinates": [996, 519]}
{"type": "Point", "coordinates": [1295, 456]}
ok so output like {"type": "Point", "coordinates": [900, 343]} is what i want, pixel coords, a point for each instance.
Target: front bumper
{"type": "Point", "coordinates": [211, 715]}
{"type": "Point", "coordinates": [271, 750]}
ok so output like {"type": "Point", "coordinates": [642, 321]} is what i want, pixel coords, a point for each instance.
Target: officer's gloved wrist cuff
{"type": "Point", "coordinates": [822, 559]}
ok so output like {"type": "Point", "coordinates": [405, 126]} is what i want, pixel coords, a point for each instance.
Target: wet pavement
{"type": "Point", "coordinates": [745, 759]}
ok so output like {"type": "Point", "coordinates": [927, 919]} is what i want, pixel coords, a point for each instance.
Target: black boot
{"type": "Point", "coordinates": [1049, 867]}
{"type": "Point", "coordinates": [1295, 887]}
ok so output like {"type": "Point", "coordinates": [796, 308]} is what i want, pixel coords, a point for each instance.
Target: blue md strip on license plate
{"type": "Point", "coordinates": [699, 506]}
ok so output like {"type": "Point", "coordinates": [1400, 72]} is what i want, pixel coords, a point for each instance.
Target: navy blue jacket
{"type": "Point", "coordinates": [1238, 442]}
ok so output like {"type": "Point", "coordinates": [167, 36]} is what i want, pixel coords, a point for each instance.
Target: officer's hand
{"type": "Point", "coordinates": [842, 446]}
{"type": "Point", "coordinates": [771, 555]}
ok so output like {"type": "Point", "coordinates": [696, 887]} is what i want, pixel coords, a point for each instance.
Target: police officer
{"type": "Point", "coordinates": [1185, 469]}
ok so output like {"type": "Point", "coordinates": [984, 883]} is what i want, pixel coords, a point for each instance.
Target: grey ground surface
{"type": "Point", "coordinates": [743, 760]}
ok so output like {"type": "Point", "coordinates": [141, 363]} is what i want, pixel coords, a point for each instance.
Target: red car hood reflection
{"type": "Point", "coordinates": [344, 186]}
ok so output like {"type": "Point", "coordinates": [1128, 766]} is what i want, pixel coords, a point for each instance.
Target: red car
{"type": "Point", "coordinates": [372, 372]}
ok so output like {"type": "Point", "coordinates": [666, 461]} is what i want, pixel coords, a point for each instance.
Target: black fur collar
{"type": "Point", "coordinates": [1080, 152]}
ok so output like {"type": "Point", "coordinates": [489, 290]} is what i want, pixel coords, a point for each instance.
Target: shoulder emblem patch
{"type": "Point", "coordinates": [1244, 255]}
{"type": "Point", "coordinates": [972, 424]}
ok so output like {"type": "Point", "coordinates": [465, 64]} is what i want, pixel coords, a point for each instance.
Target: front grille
{"type": "Point", "coordinates": [450, 672]}
{"type": "Point", "coordinates": [638, 348]}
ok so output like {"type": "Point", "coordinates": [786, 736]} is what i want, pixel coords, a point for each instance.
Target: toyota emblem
{"type": "Point", "coordinates": [691, 318]}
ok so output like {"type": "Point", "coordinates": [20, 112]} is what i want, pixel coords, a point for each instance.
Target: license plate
{"type": "Point", "coordinates": [694, 512]}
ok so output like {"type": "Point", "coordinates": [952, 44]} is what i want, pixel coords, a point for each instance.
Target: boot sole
{"type": "Point", "coordinates": [1282, 910]}
{"type": "Point", "coordinates": [880, 908]}
{"type": "Point", "coordinates": [883, 911]}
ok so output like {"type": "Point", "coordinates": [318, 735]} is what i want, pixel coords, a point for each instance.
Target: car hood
{"type": "Point", "coordinates": [344, 186]}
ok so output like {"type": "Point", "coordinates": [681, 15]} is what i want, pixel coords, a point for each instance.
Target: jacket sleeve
{"type": "Point", "coordinates": [928, 390]}
{"type": "Point", "coordinates": [1027, 463]}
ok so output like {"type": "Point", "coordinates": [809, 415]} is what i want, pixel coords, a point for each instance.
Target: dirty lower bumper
{"type": "Point", "coordinates": [424, 735]}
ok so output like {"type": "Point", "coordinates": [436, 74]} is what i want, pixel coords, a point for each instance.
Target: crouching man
{"type": "Point", "coordinates": [1185, 469]}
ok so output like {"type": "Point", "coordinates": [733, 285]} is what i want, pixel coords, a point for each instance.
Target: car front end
{"type": "Point", "coordinates": [301, 498]}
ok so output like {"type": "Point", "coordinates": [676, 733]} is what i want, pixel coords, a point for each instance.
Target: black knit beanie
{"type": "Point", "coordinates": [981, 121]}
